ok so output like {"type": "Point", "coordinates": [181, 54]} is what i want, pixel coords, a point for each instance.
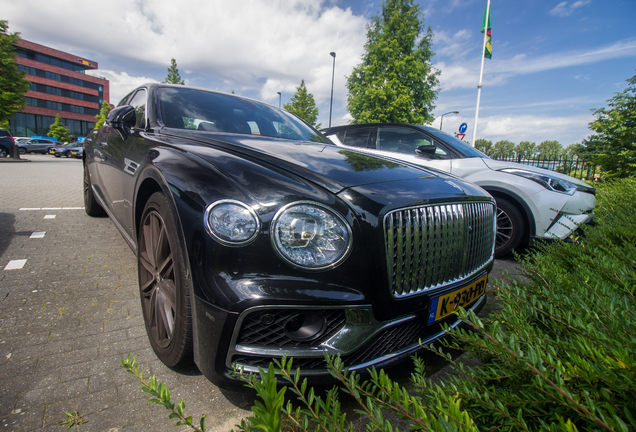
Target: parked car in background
{"type": "Point", "coordinates": [19, 140]}
{"type": "Point", "coordinates": [257, 237]}
{"type": "Point", "coordinates": [72, 149]}
{"type": "Point", "coordinates": [6, 141]}
{"type": "Point", "coordinates": [37, 145]}
{"type": "Point", "coordinates": [531, 202]}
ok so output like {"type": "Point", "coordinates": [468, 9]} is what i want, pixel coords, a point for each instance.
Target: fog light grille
{"type": "Point", "coordinates": [266, 327]}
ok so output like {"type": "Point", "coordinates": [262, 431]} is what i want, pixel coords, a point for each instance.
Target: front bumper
{"type": "Point", "coordinates": [352, 332]}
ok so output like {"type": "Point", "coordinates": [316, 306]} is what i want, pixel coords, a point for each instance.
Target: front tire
{"type": "Point", "coordinates": [163, 287]}
{"type": "Point", "coordinates": [91, 206]}
{"type": "Point", "coordinates": [22, 150]}
{"type": "Point", "coordinates": [510, 228]}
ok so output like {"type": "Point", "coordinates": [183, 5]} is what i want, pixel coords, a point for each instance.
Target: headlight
{"type": "Point", "coordinates": [310, 236]}
{"type": "Point", "coordinates": [550, 183]}
{"type": "Point", "coordinates": [232, 222]}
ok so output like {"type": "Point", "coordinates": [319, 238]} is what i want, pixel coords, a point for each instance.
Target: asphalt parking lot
{"type": "Point", "coordinates": [69, 311]}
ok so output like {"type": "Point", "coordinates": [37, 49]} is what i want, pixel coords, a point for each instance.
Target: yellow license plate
{"type": "Point", "coordinates": [74, 153]}
{"type": "Point", "coordinates": [444, 305]}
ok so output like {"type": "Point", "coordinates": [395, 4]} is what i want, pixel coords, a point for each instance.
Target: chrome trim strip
{"type": "Point", "coordinates": [319, 372]}
{"type": "Point", "coordinates": [358, 329]}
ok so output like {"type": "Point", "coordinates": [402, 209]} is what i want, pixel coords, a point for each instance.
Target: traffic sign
{"type": "Point", "coordinates": [461, 135]}
{"type": "Point", "coordinates": [463, 127]}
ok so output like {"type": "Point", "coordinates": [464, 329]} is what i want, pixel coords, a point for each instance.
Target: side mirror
{"type": "Point", "coordinates": [123, 119]}
{"type": "Point", "coordinates": [426, 150]}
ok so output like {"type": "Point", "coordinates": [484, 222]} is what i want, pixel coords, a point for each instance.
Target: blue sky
{"type": "Point", "coordinates": [552, 61]}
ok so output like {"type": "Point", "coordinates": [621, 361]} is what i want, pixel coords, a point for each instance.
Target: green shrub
{"type": "Point", "coordinates": [558, 355]}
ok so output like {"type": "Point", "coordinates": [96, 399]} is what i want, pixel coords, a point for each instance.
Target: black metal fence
{"type": "Point", "coordinates": [573, 166]}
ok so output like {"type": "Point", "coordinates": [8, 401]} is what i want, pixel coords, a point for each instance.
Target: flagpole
{"type": "Point", "coordinates": [481, 73]}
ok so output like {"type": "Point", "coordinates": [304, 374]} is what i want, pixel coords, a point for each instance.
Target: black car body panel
{"type": "Point", "coordinates": [240, 292]}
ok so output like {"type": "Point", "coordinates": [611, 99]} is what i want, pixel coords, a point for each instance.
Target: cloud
{"type": "Point", "coordinates": [120, 83]}
{"type": "Point", "coordinates": [562, 9]}
{"type": "Point", "coordinates": [537, 128]}
{"type": "Point", "coordinates": [247, 44]}
{"type": "Point", "coordinates": [458, 75]}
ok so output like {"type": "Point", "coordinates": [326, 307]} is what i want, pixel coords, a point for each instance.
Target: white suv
{"type": "Point", "coordinates": [531, 202]}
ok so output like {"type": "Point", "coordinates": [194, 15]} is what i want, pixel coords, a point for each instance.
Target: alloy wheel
{"type": "Point", "coordinates": [505, 229]}
{"type": "Point", "coordinates": [157, 279]}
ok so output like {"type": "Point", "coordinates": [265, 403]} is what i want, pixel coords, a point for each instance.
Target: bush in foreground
{"type": "Point", "coordinates": [559, 354]}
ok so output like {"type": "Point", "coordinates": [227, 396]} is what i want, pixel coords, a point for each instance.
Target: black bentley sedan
{"type": "Point", "coordinates": [255, 236]}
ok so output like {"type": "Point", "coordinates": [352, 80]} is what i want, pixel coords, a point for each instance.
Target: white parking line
{"type": "Point", "coordinates": [38, 234]}
{"type": "Point", "coordinates": [50, 208]}
{"type": "Point", "coordinates": [15, 264]}
{"type": "Point", "coordinates": [49, 217]}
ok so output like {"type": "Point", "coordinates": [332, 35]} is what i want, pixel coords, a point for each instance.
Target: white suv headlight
{"type": "Point", "coordinates": [548, 182]}
{"type": "Point", "coordinates": [310, 236]}
{"type": "Point", "coordinates": [232, 223]}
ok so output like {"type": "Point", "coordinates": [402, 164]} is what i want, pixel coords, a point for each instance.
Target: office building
{"type": "Point", "coordinates": [59, 85]}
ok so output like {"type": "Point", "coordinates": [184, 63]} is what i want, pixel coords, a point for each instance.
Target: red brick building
{"type": "Point", "coordinates": [59, 85]}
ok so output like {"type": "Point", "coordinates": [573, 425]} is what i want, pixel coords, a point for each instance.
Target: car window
{"type": "Point", "coordinates": [355, 137]}
{"type": "Point", "coordinates": [406, 141]}
{"type": "Point", "coordinates": [139, 103]}
{"type": "Point", "coordinates": [217, 112]}
{"type": "Point", "coordinates": [464, 149]}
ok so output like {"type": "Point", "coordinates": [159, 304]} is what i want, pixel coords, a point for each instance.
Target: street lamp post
{"type": "Point", "coordinates": [333, 72]}
{"type": "Point", "coordinates": [442, 118]}
{"type": "Point", "coordinates": [280, 98]}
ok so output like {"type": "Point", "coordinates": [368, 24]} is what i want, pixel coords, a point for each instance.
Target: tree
{"type": "Point", "coordinates": [59, 131]}
{"type": "Point", "coordinates": [396, 81]}
{"type": "Point", "coordinates": [503, 149]}
{"type": "Point", "coordinates": [173, 76]}
{"type": "Point", "coordinates": [575, 149]}
{"type": "Point", "coordinates": [613, 147]}
{"type": "Point", "coordinates": [549, 149]}
{"type": "Point", "coordinates": [303, 105]}
{"type": "Point", "coordinates": [525, 149]}
{"type": "Point", "coordinates": [485, 146]}
{"type": "Point", "coordinates": [12, 81]}
{"type": "Point", "coordinates": [103, 113]}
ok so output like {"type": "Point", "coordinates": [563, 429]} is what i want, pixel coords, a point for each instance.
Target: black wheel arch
{"type": "Point", "coordinates": [520, 204]}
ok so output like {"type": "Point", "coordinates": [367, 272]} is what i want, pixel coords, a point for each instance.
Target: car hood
{"type": "Point", "coordinates": [499, 165]}
{"type": "Point", "coordinates": [333, 168]}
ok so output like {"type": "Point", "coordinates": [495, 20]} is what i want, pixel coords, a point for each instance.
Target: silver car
{"type": "Point", "coordinates": [37, 145]}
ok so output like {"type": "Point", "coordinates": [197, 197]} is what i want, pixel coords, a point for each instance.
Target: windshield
{"type": "Point", "coordinates": [218, 112]}
{"type": "Point", "coordinates": [460, 146]}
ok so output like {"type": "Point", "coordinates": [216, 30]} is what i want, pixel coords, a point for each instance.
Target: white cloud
{"type": "Point", "coordinates": [246, 43]}
{"type": "Point", "coordinates": [562, 9]}
{"type": "Point", "coordinates": [459, 75]}
{"type": "Point", "coordinates": [120, 83]}
{"type": "Point", "coordinates": [537, 128]}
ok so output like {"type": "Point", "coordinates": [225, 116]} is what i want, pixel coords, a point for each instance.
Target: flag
{"type": "Point", "coordinates": [488, 50]}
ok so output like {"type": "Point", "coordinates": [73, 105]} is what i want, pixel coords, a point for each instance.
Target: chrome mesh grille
{"type": "Point", "coordinates": [435, 245]}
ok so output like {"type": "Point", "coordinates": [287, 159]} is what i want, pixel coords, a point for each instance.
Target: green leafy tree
{"type": "Point", "coordinates": [396, 81]}
{"type": "Point", "coordinates": [503, 149]}
{"type": "Point", "coordinates": [526, 149]}
{"type": "Point", "coordinates": [103, 113]}
{"type": "Point", "coordinates": [12, 83]}
{"type": "Point", "coordinates": [613, 147]}
{"type": "Point", "coordinates": [303, 105]}
{"type": "Point", "coordinates": [173, 76]}
{"type": "Point", "coordinates": [549, 149]}
{"type": "Point", "coordinates": [59, 131]}
{"type": "Point", "coordinates": [572, 150]}
{"type": "Point", "coordinates": [483, 145]}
